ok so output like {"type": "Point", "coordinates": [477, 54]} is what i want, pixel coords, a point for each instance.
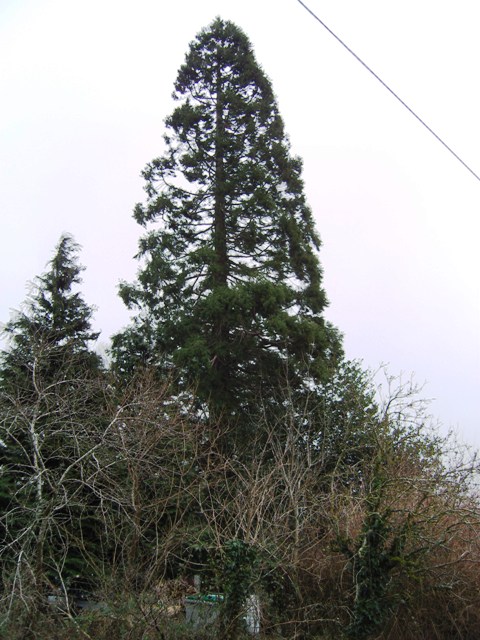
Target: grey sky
{"type": "Point", "coordinates": [85, 87]}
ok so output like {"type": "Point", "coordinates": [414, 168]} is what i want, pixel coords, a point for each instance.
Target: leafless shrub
{"type": "Point", "coordinates": [147, 495]}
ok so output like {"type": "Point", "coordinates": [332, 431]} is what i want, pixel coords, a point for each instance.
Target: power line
{"type": "Point", "coordinates": [390, 90]}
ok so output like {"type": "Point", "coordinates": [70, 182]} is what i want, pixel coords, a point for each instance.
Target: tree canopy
{"type": "Point", "coordinates": [230, 287]}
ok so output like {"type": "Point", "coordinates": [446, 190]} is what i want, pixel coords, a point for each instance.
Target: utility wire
{"type": "Point", "coordinates": [390, 90]}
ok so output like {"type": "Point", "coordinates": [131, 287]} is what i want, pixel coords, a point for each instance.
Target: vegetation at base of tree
{"type": "Point", "coordinates": [230, 442]}
{"type": "Point", "coordinates": [369, 554]}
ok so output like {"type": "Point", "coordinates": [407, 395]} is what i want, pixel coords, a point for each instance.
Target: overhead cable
{"type": "Point", "coordinates": [390, 90]}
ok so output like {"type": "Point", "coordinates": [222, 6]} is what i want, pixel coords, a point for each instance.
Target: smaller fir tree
{"type": "Point", "coordinates": [49, 392]}
{"type": "Point", "coordinates": [55, 320]}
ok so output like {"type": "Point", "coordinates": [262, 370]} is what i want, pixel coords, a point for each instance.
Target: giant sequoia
{"type": "Point", "coordinates": [229, 291]}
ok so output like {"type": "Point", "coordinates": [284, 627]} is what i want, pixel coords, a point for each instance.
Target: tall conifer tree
{"type": "Point", "coordinates": [230, 290]}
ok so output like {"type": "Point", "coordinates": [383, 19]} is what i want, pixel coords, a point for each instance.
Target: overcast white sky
{"type": "Point", "coordinates": [85, 86]}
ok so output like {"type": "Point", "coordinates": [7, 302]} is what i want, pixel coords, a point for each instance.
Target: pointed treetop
{"type": "Point", "coordinates": [55, 320]}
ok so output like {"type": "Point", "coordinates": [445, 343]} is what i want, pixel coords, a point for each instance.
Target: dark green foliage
{"type": "Point", "coordinates": [373, 562]}
{"type": "Point", "coordinates": [238, 577]}
{"type": "Point", "coordinates": [230, 287]}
